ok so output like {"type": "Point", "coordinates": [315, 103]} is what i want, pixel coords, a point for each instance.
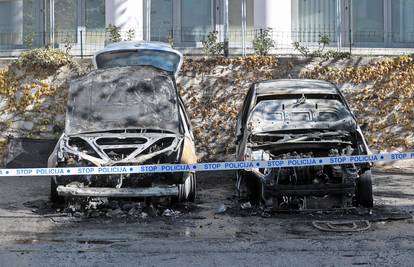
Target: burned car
{"type": "Point", "coordinates": [127, 112]}
{"type": "Point", "coordinates": [299, 119]}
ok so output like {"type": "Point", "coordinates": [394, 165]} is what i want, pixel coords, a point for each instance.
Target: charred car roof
{"type": "Point", "coordinates": [295, 86]}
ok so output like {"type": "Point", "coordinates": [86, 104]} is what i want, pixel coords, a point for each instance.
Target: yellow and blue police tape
{"type": "Point", "coordinates": [212, 166]}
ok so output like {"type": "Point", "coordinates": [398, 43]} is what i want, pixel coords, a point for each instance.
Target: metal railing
{"type": "Point", "coordinates": [86, 43]}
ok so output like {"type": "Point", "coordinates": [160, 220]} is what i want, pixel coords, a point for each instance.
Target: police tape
{"type": "Point", "coordinates": [212, 166]}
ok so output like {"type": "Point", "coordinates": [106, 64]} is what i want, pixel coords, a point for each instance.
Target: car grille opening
{"type": "Point", "coordinates": [120, 141]}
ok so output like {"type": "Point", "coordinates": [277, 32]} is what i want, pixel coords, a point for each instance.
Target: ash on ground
{"type": "Point", "coordinates": [113, 209]}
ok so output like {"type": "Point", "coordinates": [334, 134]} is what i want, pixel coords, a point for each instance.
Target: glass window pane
{"type": "Point", "coordinates": [235, 21]}
{"type": "Point", "coordinates": [195, 20]}
{"type": "Point", "coordinates": [29, 20]}
{"type": "Point", "coordinates": [95, 22]}
{"type": "Point", "coordinates": [161, 19]}
{"type": "Point", "coordinates": [368, 21]}
{"type": "Point", "coordinates": [11, 23]}
{"type": "Point", "coordinates": [95, 15]}
{"type": "Point", "coordinates": [65, 20]}
{"type": "Point", "coordinates": [32, 30]}
{"type": "Point", "coordinates": [312, 18]}
{"type": "Point", "coordinates": [402, 21]}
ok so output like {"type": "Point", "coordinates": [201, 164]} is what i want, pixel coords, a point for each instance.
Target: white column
{"type": "Point", "coordinates": [126, 14]}
{"type": "Point", "coordinates": [277, 15]}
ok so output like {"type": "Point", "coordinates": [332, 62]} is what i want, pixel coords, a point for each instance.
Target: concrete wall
{"type": "Point", "coordinates": [213, 90]}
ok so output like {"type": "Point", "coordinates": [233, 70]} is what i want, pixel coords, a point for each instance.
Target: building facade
{"type": "Point", "coordinates": [83, 23]}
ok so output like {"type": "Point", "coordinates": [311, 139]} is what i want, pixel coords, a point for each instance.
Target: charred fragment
{"type": "Point", "coordinates": [126, 115]}
{"type": "Point", "coordinates": [299, 119]}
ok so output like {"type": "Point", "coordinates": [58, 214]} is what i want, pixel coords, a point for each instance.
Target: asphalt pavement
{"type": "Point", "coordinates": [213, 232]}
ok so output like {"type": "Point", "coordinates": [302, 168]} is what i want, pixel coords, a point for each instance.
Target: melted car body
{"type": "Point", "coordinates": [299, 119]}
{"type": "Point", "coordinates": [125, 115]}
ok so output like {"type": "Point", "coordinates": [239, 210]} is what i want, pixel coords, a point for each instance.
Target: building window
{"type": "Point", "coordinates": [235, 21]}
{"type": "Point", "coordinates": [196, 20]}
{"type": "Point", "coordinates": [161, 20]}
{"type": "Point", "coordinates": [312, 18]}
{"type": "Point", "coordinates": [32, 23]}
{"type": "Point", "coordinates": [71, 17]}
{"type": "Point", "coordinates": [368, 21]}
{"type": "Point", "coordinates": [95, 15]}
{"type": "Point", "coordinates": [65, 23]}
{"type": "Point", "coordinates": [185, 20]}
{"type": "Point", "coordinates": [11, 23]}
{"type": "Point", "coordinates": [402, 21]}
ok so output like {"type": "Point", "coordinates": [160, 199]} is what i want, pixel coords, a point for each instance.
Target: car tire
{"type": "Point", "coordinates": [187, 190]}
{"type": "Point", "coordinates": [364, 190]}
{"type": "Point", "coordinates": [54, 197]}
{"type": "Point", "coordinates": [193, 190]}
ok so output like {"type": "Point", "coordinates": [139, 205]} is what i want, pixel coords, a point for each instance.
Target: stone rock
{"type": "Point", "coordinates": [60, 117]}
{"type": "Point", "coordinates": [28, 125]}
{"type": "Point", "coordinates": [3, 103]}
{"type": "Point", "coordinates": [64, 74]}
{"type": "Point", "coordinates": [221, 209]}
{"type": "Point", "coordinates": [18, 95]}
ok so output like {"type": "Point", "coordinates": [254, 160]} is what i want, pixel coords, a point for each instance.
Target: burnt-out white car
{"type": "Point", "coordinates": [126, 112]}
{"type": "Point", "coordinates": [292, 119]}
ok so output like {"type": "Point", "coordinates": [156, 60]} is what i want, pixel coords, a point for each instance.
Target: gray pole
{"type": "Point", "coordinates": [338, 25]}
{"type": "Point", "coordinates": [243, 13]}
{"type": "Point", "coordinates": [52, 22]}
{"type": "Point", "coordinates": [226, 27]}
{"type": "Point", "coordinates": [148, 20]}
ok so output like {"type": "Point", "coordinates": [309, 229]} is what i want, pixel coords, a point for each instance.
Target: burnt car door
{"type": "Point", "coordinates": [189, 155]}
{"type": "Point", "coordinates": [241, 123]}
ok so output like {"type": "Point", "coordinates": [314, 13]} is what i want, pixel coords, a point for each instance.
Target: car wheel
{"type": "Point", "coordinates": [193, 189]}
{"type": "Point", "coordinates": [54, 197]}
{"type": "Point", "coordinates": [187, 190]}
{"type": "Point", "coordinates": [364, 190]}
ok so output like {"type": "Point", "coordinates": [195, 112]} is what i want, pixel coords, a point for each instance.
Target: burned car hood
{"type": "Point", "coordinates": [289, 115]}
{"type": "Point", "coordinates": [139, 97]}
